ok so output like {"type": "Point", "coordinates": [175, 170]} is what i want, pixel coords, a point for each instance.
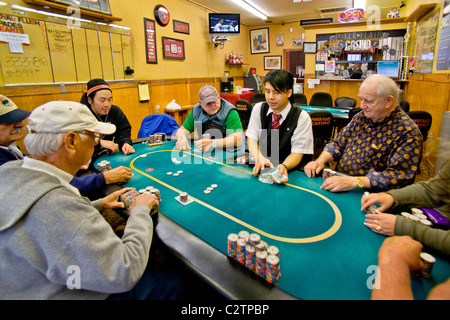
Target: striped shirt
{"type": "Point", "coordinates": [387, 152]}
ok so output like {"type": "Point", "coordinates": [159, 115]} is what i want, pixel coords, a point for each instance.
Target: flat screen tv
{"type": "Point", "coordinates": [388, 68]}
{"type": "Point", "coordinates": [224, 24]}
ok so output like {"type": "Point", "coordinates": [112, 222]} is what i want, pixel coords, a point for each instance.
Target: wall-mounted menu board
{"type": "Point", "coordinates": [35, 51]}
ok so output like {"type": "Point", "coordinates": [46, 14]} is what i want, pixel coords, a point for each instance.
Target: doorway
{"type": "Point", "coordinates": [295, 63]}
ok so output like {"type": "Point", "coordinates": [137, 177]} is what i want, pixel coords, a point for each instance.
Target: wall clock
{"type": "Point", "coordinates": [162, 15]}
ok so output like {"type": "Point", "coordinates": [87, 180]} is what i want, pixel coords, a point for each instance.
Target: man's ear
{"type": "Point", "coordinates": [71, 141]}
{"type": "Point", "coordinates": [389, 101]}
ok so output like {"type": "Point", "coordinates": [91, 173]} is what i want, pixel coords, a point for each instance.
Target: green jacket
{"type": "Point", "coordinates": [434, 193]}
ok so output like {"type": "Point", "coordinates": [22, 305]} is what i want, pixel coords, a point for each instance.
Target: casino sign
{"type": "Point", "coordinates": [351, 15]}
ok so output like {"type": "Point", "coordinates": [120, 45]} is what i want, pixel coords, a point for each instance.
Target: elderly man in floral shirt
{"type": "Point", "coordinates": [380, 148]}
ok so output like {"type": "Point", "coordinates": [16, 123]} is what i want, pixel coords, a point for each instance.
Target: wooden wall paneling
{"type": "Point", "coordinates": [81, 54]}
{"type": "Point", "coordinates": [106, 55]}
{"type": "Point", "coordinates": [93, 47]}
{"type": "Point", "coordinates": [127, 99]}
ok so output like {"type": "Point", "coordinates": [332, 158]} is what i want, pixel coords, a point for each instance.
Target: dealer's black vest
{"type": "Point", "coordinates": [276, 144]}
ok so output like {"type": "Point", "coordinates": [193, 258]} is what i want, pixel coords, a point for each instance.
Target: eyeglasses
{"type": "Point", "coordinates": [96, 136]}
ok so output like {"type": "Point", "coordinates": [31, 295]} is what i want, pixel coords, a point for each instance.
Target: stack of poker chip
{"type": "Point", "coordinates": [328, 173]}
{"type": "Point", "coordinates": [428, 260]}
{"type": "Point", "coordinates": [151, 190]}
{"type": "Point", "coordinates": [183, 197]}
{"type": "Point", "coordinates": [372, 208]}
{"type": "Point", "coordinates": [104, 166]}
{"type": "Point", "coordinates": [128, 197]}
{"type": "Point", "coordinates": [255, 254]}
{"type": "Point", "coordinates": [418, 216]}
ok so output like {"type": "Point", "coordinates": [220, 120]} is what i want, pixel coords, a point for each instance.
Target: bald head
{"type": "Point", "coordinates": [378, 96]}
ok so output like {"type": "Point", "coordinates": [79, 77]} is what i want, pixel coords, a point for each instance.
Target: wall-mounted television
{"type": "Point", "coordinates": [388, 68]}
{"type": "Point", "coordinates": [224, 24]}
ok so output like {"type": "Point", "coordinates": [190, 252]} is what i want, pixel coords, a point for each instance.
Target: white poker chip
{"type": "Point", "coordinates": [143, 155]}
{"type": "Point", "coordinates": [214, 185]}
{"type": "Point", "coordinates": [169, 173]}
{"type": "Point", "coordinates": [175, 174]}
{"type": "Point", "coordinates": [207, 191]}
{"type": "Point", "coordinates": [180, 171]}
{"type": "Point", "coordinates": [210, 189]}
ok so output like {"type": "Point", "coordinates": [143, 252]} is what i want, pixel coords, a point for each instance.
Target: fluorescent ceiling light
{"type": "Point", "coordinates": [250, 9]}
{"type": "Point", "coordinates": [302, 1]}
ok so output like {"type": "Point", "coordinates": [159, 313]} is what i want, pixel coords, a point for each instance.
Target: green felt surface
{"type": "Point", "coordinates": [334, 111]}
{"type": "Point", "coordinates": [325, 250]}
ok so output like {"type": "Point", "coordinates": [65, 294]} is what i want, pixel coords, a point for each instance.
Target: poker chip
{"type": "Point", "coordinates": [142, 155]}
{"type": "Point", "coordinates": [254, 239]}
{"type": "Point", "coordinates": [207, 191]}
{"type": "Point", "coordinates": [426, 222]}
{"type": "Point", "coordinates": [104, 166]}
{"type": "Point", "coordinates": [328, 173]}
{"type": "Point", "coordinates": [169, 173]}
{"type": "Point", "coordinates": [149, 169]}
{"type": "Point", "coordinates": [214, 186]}
{"type": "Point", "coordinates": [255, 254]}
{"type": "Point", "coordinates": [183, 197]}
{"type": "Point", "coordinates": [210, 188]}
{"type": "Point", "coordinates": [272, 250]}
{"type": "Point", "coordinates": [260, 263]}
{"type": "Point", "coordinates": [250, 257]}
{"type": "Point", "coordinates": [176, 174]}
{"type": "Point", "coordinates": [240, 251]}
{"type": "Point", "coordinates": [232, 245]}
{"type": "Point", "coordinates": [180, 171]}
{"type": "Point", "coordinates": [272, 269]}
{"type": "Point", "coordinates": [128, 197]}
{"type": "Point", "coordinates": [428, 260]}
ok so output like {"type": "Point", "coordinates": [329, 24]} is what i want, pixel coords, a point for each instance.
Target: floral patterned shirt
{"type": "Point", "coordinates": [387, 152]}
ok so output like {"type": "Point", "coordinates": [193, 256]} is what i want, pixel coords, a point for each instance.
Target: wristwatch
{"type": "Point", "coordinates": [214, 143]}
{"type": "Point", "coordinates": [359, 183]}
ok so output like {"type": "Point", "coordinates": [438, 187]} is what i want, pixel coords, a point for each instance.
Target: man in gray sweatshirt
{"type": "Point", "coordinates": [54, 244]}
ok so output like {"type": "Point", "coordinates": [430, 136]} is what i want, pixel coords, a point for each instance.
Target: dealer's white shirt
{"type": "Point", "coordinates": [302, 140]}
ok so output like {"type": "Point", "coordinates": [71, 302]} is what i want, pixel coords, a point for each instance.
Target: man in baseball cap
{"type": "Point", "coordinates": [66, 116]}
{"type": "Point", "coordinates": [57, 235]}
{"type": "Point", "coordinates": [12, 129]}
{"type": "Point", "coordinates": [216, 120]}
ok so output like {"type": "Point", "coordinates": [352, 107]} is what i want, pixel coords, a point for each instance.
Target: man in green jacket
{"type": "Point", "coordinates": [214, 116]}
{"type": "Point", "coordinates": [434, 193]}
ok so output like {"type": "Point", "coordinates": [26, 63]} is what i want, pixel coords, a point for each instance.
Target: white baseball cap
{"type": "Point", "coordinates": [66, 116]}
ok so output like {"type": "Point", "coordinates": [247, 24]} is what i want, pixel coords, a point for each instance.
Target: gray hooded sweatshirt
{"type": "Point", "coordinates": [55, 245]}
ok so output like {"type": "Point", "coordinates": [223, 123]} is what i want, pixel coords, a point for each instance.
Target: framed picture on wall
{"type": "Point", "coordinates": [272, 62]}
{"type": "Point", "coordinates": [173, 48]}
{"type": "Point", "coordinates": [309, 47]}
{"type": "Point", "coordinates": [259, 41]}
{"type": "Point", "coordinates": [150, 40]}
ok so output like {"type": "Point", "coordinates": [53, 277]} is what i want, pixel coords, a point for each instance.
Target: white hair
{"type": "Point", "coordinates": [44, 144]}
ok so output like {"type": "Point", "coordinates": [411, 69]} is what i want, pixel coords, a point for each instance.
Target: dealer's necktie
{"type": "Point", "coordinates": [275, 120]}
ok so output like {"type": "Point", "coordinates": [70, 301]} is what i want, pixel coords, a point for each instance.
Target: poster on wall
{"type": "Point", "coordinates": [173, 48]}
{"type": "Point", "coordinates": [150, 40]}
{"type": "Point", "coordinates": [443, 56]}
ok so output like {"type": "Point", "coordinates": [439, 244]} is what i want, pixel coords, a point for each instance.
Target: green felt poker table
{"type": "Point", "coordinates": [325, 250]}
{"type": "Point", "coordinates": [338, 113]}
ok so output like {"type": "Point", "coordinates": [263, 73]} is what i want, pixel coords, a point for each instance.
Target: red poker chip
{"type": "Point", "coordinates": [149, 169]}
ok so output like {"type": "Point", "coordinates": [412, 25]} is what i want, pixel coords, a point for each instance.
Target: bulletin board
{"type": "Point", "coordinates": [37, 52]}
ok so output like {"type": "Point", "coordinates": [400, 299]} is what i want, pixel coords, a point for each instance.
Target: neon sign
{"type": "Point", "coordinates": [351, 15]}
